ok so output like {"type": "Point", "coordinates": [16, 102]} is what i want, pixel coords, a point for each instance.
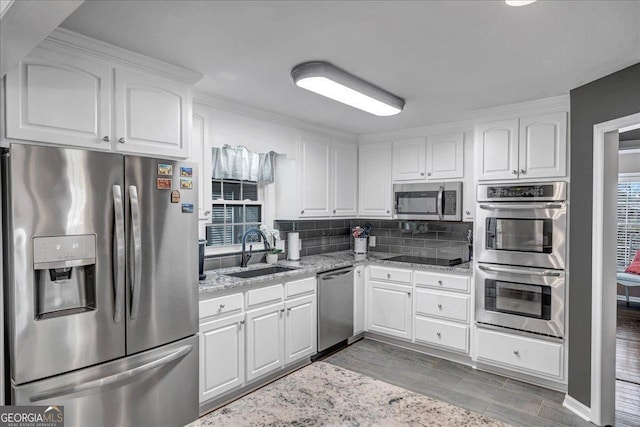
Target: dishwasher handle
{"type": "Point", "coordinates": [335, 275]}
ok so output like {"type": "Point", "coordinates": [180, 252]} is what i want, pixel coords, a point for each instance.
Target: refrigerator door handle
{"type": "Point", "coordinates": [136, 252]}
{"type": "Point", "coordinates": [112, 380]}
{"type": "Point", "coordinates": [119, 244]}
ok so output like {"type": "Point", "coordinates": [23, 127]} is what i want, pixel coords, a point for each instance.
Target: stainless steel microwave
{"type": "Point", "coordinates": [428, 201]}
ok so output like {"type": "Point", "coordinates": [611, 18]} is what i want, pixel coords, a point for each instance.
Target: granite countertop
{"type": "Point", "coordinates": [217, 280]}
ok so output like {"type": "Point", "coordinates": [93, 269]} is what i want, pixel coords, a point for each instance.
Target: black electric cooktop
{"type": "Point", "coordinates": [426, 260]}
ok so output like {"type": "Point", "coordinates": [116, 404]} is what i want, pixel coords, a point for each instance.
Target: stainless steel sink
{"type": "Point", "coordinates": [260, 272]}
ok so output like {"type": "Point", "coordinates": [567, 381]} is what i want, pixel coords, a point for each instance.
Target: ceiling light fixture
{"type": "Point", "coordinates": [519, 2]}
{"type": "Point", "coordinates": [327, 80]}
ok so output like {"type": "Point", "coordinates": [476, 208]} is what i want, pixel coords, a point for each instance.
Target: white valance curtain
{"type": "Point", "coordinates": [242, 164]}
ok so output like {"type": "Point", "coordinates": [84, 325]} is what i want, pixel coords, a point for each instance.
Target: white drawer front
{"type": "Point", "coordinates": [529, 354]}
{"type": "Point", "coordinates": [270, 294]}
{"type": "Point", "coordinates": [442, 281]}
{"type": "Point", "coordinates": [451, 336]}
{"type": "Point", "coordinates": [300, 287]}
{"type": "Point", "coordinates": [439, 304]}
{"type": "Point", "coordinates": [390, 274]}
{"type": "Point", "coordinates": [221, 305]}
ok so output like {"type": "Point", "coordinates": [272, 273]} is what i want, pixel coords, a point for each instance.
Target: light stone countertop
{"type": "Point", "coordinates": [217, 280]}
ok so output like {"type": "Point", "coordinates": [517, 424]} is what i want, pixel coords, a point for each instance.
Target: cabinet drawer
{"type": "Point", "coordinates": [300, 287]}
{"type": "Point", "coordinates": [391, 274]}
{"type": "Point", "coordinates": [269, 294]}
{"type": "Point", "coordinates": [440, 304]}
{"type": "Point", "coordinates": [442, 281]}
{"type": "Point", "coordinates": [451, 336]}
{"type": "Point", "coordinates": [221, 305]}
{"type": "Point", "coordinates": [527, 354]}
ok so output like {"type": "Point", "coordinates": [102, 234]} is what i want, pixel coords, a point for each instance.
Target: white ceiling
{"type": "Point", "coordinates": [445, 58]}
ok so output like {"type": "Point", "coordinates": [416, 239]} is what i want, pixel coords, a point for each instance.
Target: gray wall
{"type": "Point", "coordinates": [616, 95]}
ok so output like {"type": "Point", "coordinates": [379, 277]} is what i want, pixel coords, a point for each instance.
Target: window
{"type": "Point", "coordinates": [235, 207]}
{"type": "Point", "coordinates": [628, 221]}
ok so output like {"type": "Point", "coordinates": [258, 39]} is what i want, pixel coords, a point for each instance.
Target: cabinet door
{"type": "Point", "coordinates": [300, 328]}
{"type": "Point", "coordinates": [409, 159]}
{"type": "Point", "coordinates": [60, 99]}
{"type": "Point", "coordinates": [389, 310]}
{"type": "Point", "coordinates": [358, 300]}
{"type": "Point", "coordinates": [315, 173]}
{"type": "Point", "coordinates": [345, 178]}
{"type": "Point", "coordinates": [374, 166]}
{"type": "Point", "coordinates": [221, 356]}
{"type": "Point", "coordinates": [445, 156]}
{"type": "Point", "coordinates": [153, 115]}
{"type": "Point", "coordinates": [265, 340]}
{"type": "Point", "coordinates": [497, 150]}
{"type": "Point", "coordinates": [543, 146]}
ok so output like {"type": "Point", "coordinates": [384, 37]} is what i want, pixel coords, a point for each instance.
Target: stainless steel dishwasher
{"type": "Point", "coordinates": [335, 307]}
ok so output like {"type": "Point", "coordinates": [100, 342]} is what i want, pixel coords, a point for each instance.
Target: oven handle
{"type": "Point", "coordinates": [491, 207]}
{"type": "Point", "coordinates": [548, 273]}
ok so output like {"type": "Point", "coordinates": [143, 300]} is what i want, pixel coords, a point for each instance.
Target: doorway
{"type": "Point", "coordinates": [604, 307]}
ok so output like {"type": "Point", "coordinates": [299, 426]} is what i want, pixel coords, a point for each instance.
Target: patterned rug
{"type": "Point", "coordinates": [322, 394]}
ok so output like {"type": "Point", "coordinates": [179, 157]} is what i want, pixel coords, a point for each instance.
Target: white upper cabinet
{"type": "Point", "coordinates": [374, 166]}
{"type": "Point", "coordinates": [445, 156]}
{"type": "Point", "coordinates": [65, 91]}
{"type": "Point", "coordinates": [345, 178]}
{"type": "Point", "coordinates": [152, 115]}
{"type": "Point", "coordinates": [61, 99]}
{"type": "Point", "coordinates": [543, 146]}
{"type": "Point", "coordinates": [497, 150]}
{"type": "Point", "coordinates": [409, 159]}
{"type": "Point", "coordinates": [530, 147]}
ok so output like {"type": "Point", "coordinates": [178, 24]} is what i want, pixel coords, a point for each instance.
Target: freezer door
{"type": "Point", "coordinates": [61, 270]}
{"type": "Point", "coordinates": [162, 277]}
{"type": "Point", "coordinates": [153, 388]}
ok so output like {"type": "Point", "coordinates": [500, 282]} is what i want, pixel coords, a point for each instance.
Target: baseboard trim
{"type": "Point", "coordinates": [577, 408]}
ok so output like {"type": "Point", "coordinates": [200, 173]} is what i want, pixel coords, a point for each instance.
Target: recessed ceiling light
{"type": "Point", "coordinates": [519, 2]}
{"type": "Point", "coordinates": [327, 80]}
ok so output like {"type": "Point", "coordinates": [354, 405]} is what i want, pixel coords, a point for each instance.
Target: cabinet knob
{"type": "Point", "coordinates": [221, 306]}
{"type": "Point", "coordinates": [282, 311]}
{"type": "Point", "coordinates": [388, 211]}
{"type": "Point", "coordinates": [439, 334]}
{"type": "Point", "coordinates": [440, 282]}
{"type": "Point", "coordinates": [467, 212]}
{"type": "Point", "coordinates": [122, 140]}
{"type": "Point", "coordinates": [409, 294]}
{"type": "Point", "coordinates": [523, 172]}
{"type": "Point", "coordinates": [288, 309]}
{"type": "Point", "coordinates": [516, 352]}
{"type": "Point", "coordinates": [359, 272]}
{"type": "Point", "coordinates": [388, 276]}
{"type": "Point", "coordinates": [106, 138]}
{"type": "Point", "coordinates": [439, 306]}
{"type": "Point", "coordinates": [242, 322]}
{"type": "Point", "coordinates": [301, 212]}
{"type": "Point", "coordinates": [428, 173]}
{"type": "Point", "coordinates": [515, 172]}
{"type": "Point", "coordinates": [421, 173]}
{"type": "Point", "coordinates": [334, 211]}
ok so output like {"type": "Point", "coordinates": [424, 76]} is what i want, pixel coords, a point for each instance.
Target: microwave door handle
{"type": "Point", "coordinates": [514, 206]}
{"type": "Point", "coordinates": [439, 203]}
{"type": "Point", "coordinates": [547, 273]}
{"type": "Point", "coordinates": [136, 252]}
{"type": "Point", "coordinates": [119, 247]}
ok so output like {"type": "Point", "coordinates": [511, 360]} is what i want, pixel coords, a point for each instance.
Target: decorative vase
{"type": "Point", "coordinates": [272, 258]}
{"type": "Point", "coordinates": [360, 245]}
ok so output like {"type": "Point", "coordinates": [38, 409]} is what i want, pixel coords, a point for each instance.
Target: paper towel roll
{"type": "Point", "coordinates": [293, 246]}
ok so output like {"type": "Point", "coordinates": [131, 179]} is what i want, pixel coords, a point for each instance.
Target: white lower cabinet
{"type": "Point", "coordinates": [358, 300]}
{"type": "Point", "coordinates": [449, 335]}
{"type": "Point", "coordinates": [239, 346]}
{"type": "Point", "coordinates": [221, 371]}
{"type": "Point", "coordinates": [525, 354]}
{"type": "Point", "coordinates": [389, 309]}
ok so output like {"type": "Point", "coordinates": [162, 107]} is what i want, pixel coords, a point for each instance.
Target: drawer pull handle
{"type": "Point", "coordinates": [440, 306]}
{"type": "Point", "coordinates": [122, 140]}
{"type": "Point", "coordinates": [439, 335]}
{"type": "Point", "coordinates": [516, 352]}
{"type": "Point", "coordinates": [221, 306]}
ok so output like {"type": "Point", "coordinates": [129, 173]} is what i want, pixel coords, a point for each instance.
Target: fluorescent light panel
{"type": "Point", "coordinates": [519, 2]}
{"type": "Point", "coordinates": [334, 83]}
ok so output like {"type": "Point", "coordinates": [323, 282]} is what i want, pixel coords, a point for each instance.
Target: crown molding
{"type": "Point", "coordinates": [63, 38]}
{"type": "Point", "coordinates": [520, 109]}
{"type": "Point", "coordinates": [212, 101]}
{"type": "Point", "coordinates": [439, 129]}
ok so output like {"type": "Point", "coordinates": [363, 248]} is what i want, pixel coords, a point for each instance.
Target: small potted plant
{"type": "Point", "coordinates": [273, 236]}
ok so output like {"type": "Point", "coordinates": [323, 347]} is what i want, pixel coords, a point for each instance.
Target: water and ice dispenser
{"type": "Point", "coordinates": [65, 269]}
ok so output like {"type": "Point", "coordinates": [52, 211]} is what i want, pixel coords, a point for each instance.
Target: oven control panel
{"type": "Point", "coordinates": [547, 191]}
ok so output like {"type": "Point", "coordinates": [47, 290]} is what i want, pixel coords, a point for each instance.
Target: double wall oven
{"type": "Point", "coordinates": [520, 277]}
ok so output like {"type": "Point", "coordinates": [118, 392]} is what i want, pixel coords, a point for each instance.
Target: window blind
{"type": "Point", "coordinates": [628, 222]}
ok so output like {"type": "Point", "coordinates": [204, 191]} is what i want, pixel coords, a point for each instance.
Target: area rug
{"type": "Point", "coordinates": [322, 394]}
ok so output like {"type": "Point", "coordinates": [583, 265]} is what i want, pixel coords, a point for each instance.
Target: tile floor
{"type": "Point", "coordinates": [501, 398]}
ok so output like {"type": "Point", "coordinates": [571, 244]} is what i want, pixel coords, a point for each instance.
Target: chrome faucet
{"type": "Point", "coordinates": [247, 256]}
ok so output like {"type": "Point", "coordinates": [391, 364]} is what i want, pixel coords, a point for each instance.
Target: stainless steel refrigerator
{"type": "Point", "coordinates": [100, 275]}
